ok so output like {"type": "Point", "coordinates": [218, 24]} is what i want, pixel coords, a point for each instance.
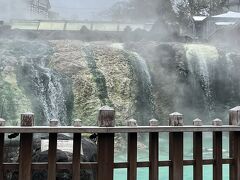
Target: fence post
{"type": "Point", "coordinates": [76, 152]}
{"type": "Point", "coordinates": [77, 123]}
{"type": "Point", "coordinates": [52, 151]}
{"type": "Point", "coordinates": [106, 118]}
{"type": "Point", "coordinates": [234, 143]}
{"type": "Point", "coordinates": [53, 122]}
{"type": "Point", "coordinates": [153, 151]}
{"type": "Point", "coordinates": [25, 151]}
{"type": "Point", "coordinates": [176, 147]}
{"type": "Point", "coordinates": [197, 152]}
{"type": "Point", "coordinates": [131, 122]}
{"type": "Point", "coordinates": [132, 152]}
{"type": "Point", "coordinates": [217, 151]}
{"type": "Point", "coordinates": [2, 123]}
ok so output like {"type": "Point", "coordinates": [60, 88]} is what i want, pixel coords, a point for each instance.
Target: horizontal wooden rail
{"type": "Point", "coordinates": [122, 129]}
{"type": "Point", "coordinates": [118, 165]}
{"type": "Point", "coordinates": [44, 165]}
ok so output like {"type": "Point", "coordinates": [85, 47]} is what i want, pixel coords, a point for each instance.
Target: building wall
{"type": "Point", "coordinates": [39, 8]}
{"type": "Point", "coordinates": [24, 9]}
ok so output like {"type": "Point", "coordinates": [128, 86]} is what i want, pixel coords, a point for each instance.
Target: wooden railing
{"type": "Point", "coordinates": [106, 130]}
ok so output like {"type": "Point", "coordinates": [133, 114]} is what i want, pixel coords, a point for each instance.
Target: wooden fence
{"type": "Point", "coordinates": [105, 164]}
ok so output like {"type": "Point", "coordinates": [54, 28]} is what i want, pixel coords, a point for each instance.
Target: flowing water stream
{"type": "Point", "coordinates": [200, 59]}
{"type": "Point", "coordinates": [46, 88]}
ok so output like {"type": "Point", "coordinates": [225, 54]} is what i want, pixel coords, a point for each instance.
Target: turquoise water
{"type": "Point", "coordinates": [143, 173]}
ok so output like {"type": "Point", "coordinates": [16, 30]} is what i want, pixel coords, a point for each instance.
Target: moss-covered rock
{"type": "Point", "coordinates": [101, 74]}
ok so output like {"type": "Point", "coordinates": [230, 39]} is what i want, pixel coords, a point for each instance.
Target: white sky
{"type": "Point", "coordinates": [81, 9]}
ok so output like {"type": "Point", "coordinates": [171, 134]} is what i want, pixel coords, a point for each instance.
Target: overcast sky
{"type": "Point", "coordinates": [81, 9]}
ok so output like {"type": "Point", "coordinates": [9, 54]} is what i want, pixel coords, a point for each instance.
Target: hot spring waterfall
{"type": "Point", "coordinates": [46, 86]}
{"type": "Point", "coordinates": [200, 58]}
{"type": "Point", "coordinates": [70, 80]}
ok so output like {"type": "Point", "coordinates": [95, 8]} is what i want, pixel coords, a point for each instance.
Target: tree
{"type": "Point", "coordinates": [206, 7]}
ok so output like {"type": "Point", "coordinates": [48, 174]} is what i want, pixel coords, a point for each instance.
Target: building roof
{"type": "Point", "coordinates": [229, 14]}
{"type": "Point", "coordinates": [225, 23]}
{"type": "Point", "coordinates": [199, 18]}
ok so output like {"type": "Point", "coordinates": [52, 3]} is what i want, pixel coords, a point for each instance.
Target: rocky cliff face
{"type": "Point", "coordinates": [104, 74]}
{"type": "Point", "coordinates": [198, 80]}
{"type": "Point", "coordinates": [73, 79]}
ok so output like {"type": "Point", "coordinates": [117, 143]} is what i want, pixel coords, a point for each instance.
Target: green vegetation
{"type": "Point", "coordinates": [98, 78]}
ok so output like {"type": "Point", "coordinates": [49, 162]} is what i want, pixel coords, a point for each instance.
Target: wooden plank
{"type": "Point", "coordinates": [25, 156]}
{"type": "Point", "coordinates": [176, 155]}
{"type": "Point", "coordinates": [93, 165]}
{"type": "Point", "coordinates": [76, 156]}
{"type": "Point", "coordinates": [89, 165]}
{"type": "Point", "coordinates": [64, 166]}
{"type": "Point", "coordinates": [122, 129]}
{"type": "Point", "coordinates": [208, 161]}
{"type": "Point", "coordinates": [105, 156]}
{"type": "Point", "coordinates": [1, 156]}
{"type": "Point", "coordinates": [234, 144]}
{"type": "Point", "coordinates": [188, 162]}
{"type": "Point", "coordinates": [144, 164]}
{"type": "Point", "coordinates": [44, 165]}
{"type": "Point", "coordinates": [197, 156]}
{"type": "Point", "coordinates": [217, 155]}
{"type": "Point", "coordinates": [120, 165]}
{"type": "Point", "coordinates": [176, 147]}
{"type": "Point", "coordinates": [227, 161]}
{"type": "Point", "coordinates": [10, 166]}
{"type": "Point", "coordinates": [164, 163]}
{"type": "Point", "coordinates": [106, 119]}
{"type": "Point", "coordinates": [153, 156]}
{"type": "Point", "coordinates": [25, 151]}
{"type": "Point", "coordinates": [132, 156]}
{"type": "Point", "coordinates": [234, 138]}
{"type": "Point", "coordinates": [52, 156]}
{"type": "Point", "coordinates": [39, 166]}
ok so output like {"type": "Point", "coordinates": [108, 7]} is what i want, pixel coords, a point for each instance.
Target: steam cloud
{"type": "Point", "coordinates": [14, 9]}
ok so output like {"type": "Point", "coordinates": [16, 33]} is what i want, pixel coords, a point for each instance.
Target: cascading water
{"type": "Point", "coordinates": [34, 85]}
{"type": "Point", "coordinates": [200, 58]}
{"type": "Point", "coordinates": [230, 66]}
{"type": "Point", "coordinates": [144, 96]}
{"type": "Point", "coordinates": [144, 69]}
{"type": "Point", "coordinates": [50, 94]}
{"type": "Point", "coordinates": [230, 77]}
{"type": "Point", "coordinates": [47, 87]}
